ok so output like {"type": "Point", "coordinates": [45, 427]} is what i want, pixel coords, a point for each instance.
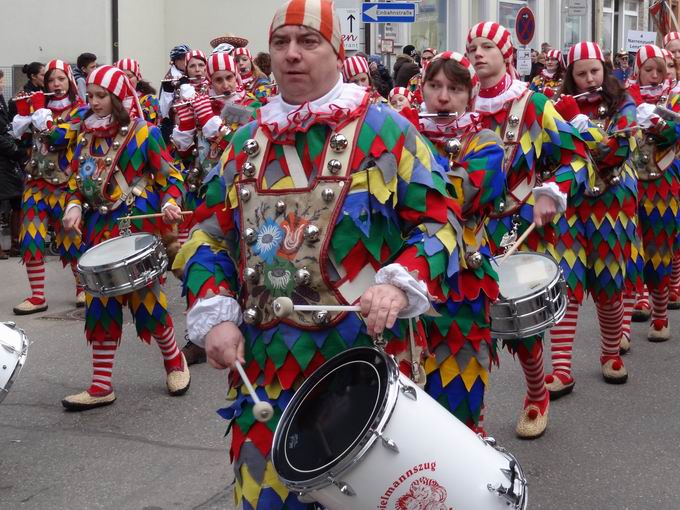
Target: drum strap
{"type": "Point", "coordinates": [511, 136]}
{"type": "Point", "coordinates": [128, 193]}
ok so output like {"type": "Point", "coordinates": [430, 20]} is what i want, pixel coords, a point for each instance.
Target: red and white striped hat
{"type": "Point", "coordinates": [66, 68]}
{"type": "Point", "coordinates": [117, 83]}
{"type": "Point", "coordinates": [129, 64]}
{"type": "Point", "coordinates": [666, 54]}
{"type": "Point", "coordinates": [475, 84]}
{"type": "Point", "coordinates": [557, 55]}
{"type": "Point", "coordinates": [401, 90]}
{"type": "Point", "coordinates": [353, 66]}
{"type": "Point", "coordinates": [670, 36]}
{"type": "Point", "coordinates": [644, 54]}
{"type": "Point", "coordinates": [584, 51]}
{"type": "Point", "coordinates": [495, 33]}
{"type": "Point", "coordinates": [243, 51]}
{"type": "Point", "coordinates": [319, 15]}
{"type": "Point", "coordinates": [222, 61]}
{"type": "Point", "coordinates": [196, 54]}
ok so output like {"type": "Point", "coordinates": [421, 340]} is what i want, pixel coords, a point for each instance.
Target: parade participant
{"type": "Point", "coordinates": [355, 70]}
{"type": "Point", "coordinates": [45, 190]}
{"type": "Point", "coordinates": [170, 85]}
{"type": "Point", "coordinates": [416, 82]}
{"type": "Point", "coordinates": [278, 217]}
{"type": "Point", "coordinates": [145, 92]}
{"type": "Point", "coordinates": [549, 80]}
{"type": "Point", "coordinates": [400, 98]}
{"type": "Point", "coordinates": [462, 339]}
{"type": "Point", "coordinates": [658, 182]}
{"type": "Point", "coordinates": [599, 250]}
{"type": "Point", "coordinates": [197, 71]}
{"type": "Point", "coordinates": [117, 144]}
{"type": "Point", "coordinates": [254, 80]}
{"type": "Point", "coordinates": [671, 42]}
{"type": "Point", "coordinates": [539, 144]}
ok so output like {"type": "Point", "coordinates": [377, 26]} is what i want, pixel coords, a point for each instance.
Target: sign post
{"type": "Point", "coordinates": [525, 27]}
{"type": "Point", "coordinates": [388, 12]}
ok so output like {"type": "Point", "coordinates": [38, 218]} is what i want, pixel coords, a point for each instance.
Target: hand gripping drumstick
{"type": "Point", "coordinates": [519, 241]}
{"type": "Point", "coordinates": [284, 306]}
{"type": "Point", "coordinates": [263, 411]}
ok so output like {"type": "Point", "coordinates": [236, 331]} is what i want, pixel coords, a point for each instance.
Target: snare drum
{"type": "Point", "coordinates": [122, 264]}
{"type": "Point", "coordinates": [13, 352]}
{"type": "Point", "coordinates": [358, 434]}
{"type": "Point", "coordinates": [533, 296]}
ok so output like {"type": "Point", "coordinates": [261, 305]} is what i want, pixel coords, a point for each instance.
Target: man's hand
{"type": "Point", "coordinates": [224, 344]}
{"type": "Point", "coordinates": [71, 220]}
{"type": "Point", "coordinates": [172, 214]}
{"type": "Point", "coordinates": [544, 210]}
{"type": "Point", "coordinates": [381, 304]}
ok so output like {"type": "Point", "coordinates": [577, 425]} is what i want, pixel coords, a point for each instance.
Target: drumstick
{"type": "Point", "coordinates": [154, 215]}
{"type": "Point", "coordinates": [263, 411]}
{"type": "Point", "coordinates": [284, 306]}
{"type": "Point", "coordinates": [519, 241]}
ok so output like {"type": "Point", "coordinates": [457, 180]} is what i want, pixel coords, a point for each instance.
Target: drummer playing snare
{"type": "Point", "coordinates": [329, 201]}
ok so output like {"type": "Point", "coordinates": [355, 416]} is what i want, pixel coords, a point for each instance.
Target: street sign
{"type": "Point", "coordinates": [525, 25]}
{"type": "Point", "coordinates": [578, 8]}
{"type": "Point", "coordinates": [638, 38]}
{"type": "Point", "coordinates": [523, 61]}
{"type": "Point", "coordinates": [384, 12]}
{"type": "Point", "coordinates": [387, 46]}
{"type": "Point", "coordinates": [349, 26]}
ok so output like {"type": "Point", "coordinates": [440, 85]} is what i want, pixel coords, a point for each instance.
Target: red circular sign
{"type": "Point", "coordinates": [525, 25]}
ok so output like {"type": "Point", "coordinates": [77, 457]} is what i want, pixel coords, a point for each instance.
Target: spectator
{"type": "Point", "coordinates": [381, 76]}
{"type": "Point", "coordinates": [537, 64]}
{"type": "Point", "coordinates": [86, 63]}
{"type": "Point", "coordinates": [545, 48]}
{"type": "Point", "coordinates": [35, 72]}
{"type": "Point", "coordinates": [622, 66]}
{"type": "Point", "coordinates": [405, 67]}
{"type": "Point", "coordinates": [264, 62]}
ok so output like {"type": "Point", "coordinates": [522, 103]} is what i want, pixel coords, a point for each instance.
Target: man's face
{"type": "Point", "coordinates": [181, 63]}
{"type": "Point", "coordinates": [223, 82]}
{"type": "Point", "coordinates": [303, 62]}
{"type": "Point", "coordinates": [89, 68]}
{"type": "Point", "coordinates": [485, 57]}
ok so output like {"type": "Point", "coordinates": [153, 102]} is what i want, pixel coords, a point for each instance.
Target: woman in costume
{"type": "Point", "coordinates": [549, 80]}
{"type": "Point", "coordinates": [145, 92]}
{"type": "Point", "coordinates": [47, 175]}
{"type": "Point", "coordinates": [254, 80]}
{"type": "Point", "coordinates": [355, 70]}
{"type": "Point", "coordinates": [415, 84]}
{"type": "Point", "coordinates": [121, 167]}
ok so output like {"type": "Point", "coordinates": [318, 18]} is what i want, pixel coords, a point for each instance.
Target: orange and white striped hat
{"type": "Point", "coordinates": [129, 64]}
{"type": "Point", "coordinates": [644, 54]}
{"type": "Point", "coordinates": [585, 50]}
{"type": "Point", "coordinates": [494, 32]}
{"type": "Point", "coordinates": [66, 68]}
{"type": "Point", "coordinates": [117, 83]}
{"type": "Point", "coordinates": [353, 66]}
{"type": "Point", "coordinates": [670, 36]}
{"type": "Point", "coordinates": [401, 91]}
{"type": "Point", "coordinates": [319, 15]}
{"type": "Point", "coordinates": [222, 61]}
{"type": "Point", "coordinates": [243, 51]}
{"type": "Point", "coordinates": [196, 54]}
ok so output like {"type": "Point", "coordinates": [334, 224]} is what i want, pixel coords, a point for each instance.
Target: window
{"type": "Point", "coordinates": [630, 20]}
{"type": "Point", "coordinates": [608, 31]}
{"type": "Point", "coordinates": [429, 29]}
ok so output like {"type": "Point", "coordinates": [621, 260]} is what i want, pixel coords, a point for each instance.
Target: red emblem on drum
{"type": "Point", "coordinates": [423, 494]}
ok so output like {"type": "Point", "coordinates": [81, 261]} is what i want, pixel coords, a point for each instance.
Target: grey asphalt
{"type": "Point", "coordinates": [607, 447]}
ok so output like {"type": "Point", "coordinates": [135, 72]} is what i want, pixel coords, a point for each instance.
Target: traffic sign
{"type": "Point", "coordinates": [349, 26]}
{"type": "Point", "coordinates": [384, 12]}
{"type": "Point", "coordinates": [525, 25]}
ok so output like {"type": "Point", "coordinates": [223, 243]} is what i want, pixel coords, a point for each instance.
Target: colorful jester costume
{"type": "Point", "coordinates": [148, 102]}
{"type": "Point", "coordinates": [260, 86]}
{"type": "Point", "coordinates": [120, 171]}
{"type": "Point", "coordinates": [545, 83]}
{"type": "Point", "coordinates": [44, 197]}
{"type": "Point", "coordinates": [598, 248]}
{"type": "Point", "coordinates": [461, 348]}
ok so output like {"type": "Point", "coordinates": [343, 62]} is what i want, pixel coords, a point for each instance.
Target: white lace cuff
{"type": "Point", "coordinates": [70, 206]}
{"type": "Point", "coordinates": [212, 127]}
{"type": "Point", "coordinates": [415, 290]}
{"type": "Point", "coordinates": [41, 117]}
{"type": "Point", "coordinates": [551, 190]}
{"type": "Point", "coordinates": [207, 313]}
{"type": "Point", "coordinates": [183, 139]}
{"type": "Point", "coordinates": [20, 124]}
{"type": "Point", "coordinates": [581, 122]}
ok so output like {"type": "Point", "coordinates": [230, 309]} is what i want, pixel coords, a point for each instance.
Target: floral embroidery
{"type": "Point", "coordinates": [269, 237]}
{"type": "Point", "coordinates": [423, 494]}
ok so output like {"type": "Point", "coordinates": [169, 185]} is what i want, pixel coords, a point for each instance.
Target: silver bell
{"type": "Point", "coordinates": [52, 148]}
{"type": "Point", "coordinates": [311, 233]}
{"type": "Point", "coordinates": [34, 163]}
{"type": "Point", "coordinates": [320, 317]}
{"type": "Point", "coordinates": [452, 146]}
{"type": "Point", "coordinates": [100, 180]}
{"type": "Point", "coordinates": [328, 195]}
{"type": "Point", "coordinates": [596, 190]}
{"type": "Point", "coordinates": [650, 140]}
{"type": "Point", "coordinates": [653, 175]}
{"type": "Point", "coordinates": [615, 180]}
{"type": "Point", "coordinates": [546, 174]}
{"type": "Point", "coordinates": [124, 130]}
{"type": "Point", "coordinates": [250, 235]}
{"type": "Point", "coordinates": [601, 110]}
{"type": "Point", "coordinates": [195, 171]}
{"type": "Point", "coordinates": [252, 316]}
{"type": "Point", "coordinates": [116, 144]}
{"type": "Point", "coordinates": [338, 142]}
{"type": "Point", "coordinates": [192, 187]}
{"type": "Point", "coordinates": [501, 206]}
{"type": "Point", "coordinates": [251, 274]}
{"type": "Point", "coordinates": [510, 135]}
{"type": "Point", "coordinates": [280, 207]}
{"type": "Point", "coordinates": [51, 165]}
{"type": "Point", "coordinates": [194, 152]}
{"type": "Point", "coordinates": [245, 194]}
{"type": "Point", "coordinates": [103, 209]}
{"type": "Point", "coordinates": [78, 178]}
{"type": "Point", "coordinates": [83, 142]}
{"type": "Point", "coordinates": [108, 161]}
{"type": "Point", "coordinates": [81, 159]}
{"type": "Point", "coordinates": [29, 176]}
{"type": "Point", "coordinates": [474, 260]}
{"type": "Point", "coordinates": [334, 166]}
{"type": "Point", "coordinates": [55, 180]}
{"type": "Point", "coordinates": [302, 276]}
{"type": "Point", "coordinates": [86, 206]}
{"type": "Point", "coordinates": [513, 120]}
{"type": "Point", "coordinates": [645, 158]}
{"type": "Point", "coordinates": [248, 169]}
{"type": "Point", "coordinates": [251, 147]}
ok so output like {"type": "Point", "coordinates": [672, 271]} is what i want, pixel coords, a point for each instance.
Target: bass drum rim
{"type": "Point", "coordinates": [20, 362]}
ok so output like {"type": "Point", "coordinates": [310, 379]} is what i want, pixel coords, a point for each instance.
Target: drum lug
{"type": "Point", "coordinates": [10, 324]}
{"type": "Point", "coordinates": [387, 442]}
{"type": "Point", "coordinates": [508, 493]}
{"type": "Point", "coordinates": [409, 391]}
{"type": "Point", "coordinates": [343, 487]}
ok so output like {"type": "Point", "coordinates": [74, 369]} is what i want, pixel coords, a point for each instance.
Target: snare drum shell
{"type": "Point", "coordinates": [13, 352]}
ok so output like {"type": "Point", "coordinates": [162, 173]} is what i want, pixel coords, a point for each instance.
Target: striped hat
{"type": "Point", "coordinates": [222, 62]}
{"type": "Point", "coordinates": [117, 83]}
{"type": "Point", "coordinates": [644, 54]}
{"type": "Point", "coordinates": [196, 54]}
{"type": "Point", "coordinates": [583, 51]}
{"type": "Point", "coordinates": [401, 90]}
{"type": "Point", "coordinates": [319, 15]}
{"type": "Point", "coordinates": [557, 55]}
{"type": "Point", "coordinates": [495, 33]}
{"type": "Point", "coordinates": [670, 36]}
{"type": "Point", "coordinates": [666, 54]}
{"type": "Point", "coordinates": [475, 84]}
{"type": "Point", "coordinates": [243, 51]}
{"type": "Point", "coordinates": [129, 64]}
{"type": "Point", "coordinates": [66, 68]}
{"type": "Point", "coordinates": [353, 66]}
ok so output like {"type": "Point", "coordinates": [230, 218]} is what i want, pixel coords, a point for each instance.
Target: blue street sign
{"type": "Point", "coordinates": [383, 12]}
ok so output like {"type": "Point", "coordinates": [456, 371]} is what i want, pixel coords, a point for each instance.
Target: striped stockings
{"type": "Point", "coordinates": [36, 279]}
{"type": "Point", "coordinates": [532, 364]}
{"type": "Point", "coordinates": [479, 428]}
{"type": "Point", "coordinates": [660, 307]}
{"type": "Point", "coordinates": [183, 235]}
{"type": "Point", "coordinates": [611, 327]}
{"type": "Point", "coordinates": [103, 353]}
{"type": "Point", "coordinates": [675, 275]}
{"type": "Point", "coordinates": [642, 300]}
{"type": "Point", "coordinates": [628, 305]}
{"type": "Point", "coordinates": [171, 355]}
{"type": "Point", "coordinates": [562, 341]}
{"type": "Point", "coordinates": [79, 286]}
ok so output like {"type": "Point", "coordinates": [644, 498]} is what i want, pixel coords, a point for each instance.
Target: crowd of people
{"type": "Point", "coordinates": [323, 177]}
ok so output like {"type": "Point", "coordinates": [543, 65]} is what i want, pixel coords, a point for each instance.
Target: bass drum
{"type": "Point", "coordinates": [13, 352]}
{"type": "Point", "coordinates": [360, 435]}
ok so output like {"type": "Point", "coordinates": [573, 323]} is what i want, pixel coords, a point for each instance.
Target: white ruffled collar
{"type": "Point", "coordinates": [95, 122]}
{"type": "Point", "coordinates": [59, 104]}
{"type": "Point", "coordinates": [496, 104]}
{"type": "Point", "coordinates": [437, 132]}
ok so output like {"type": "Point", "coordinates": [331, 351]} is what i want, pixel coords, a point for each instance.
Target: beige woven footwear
{"type": "Point", "coordinates": [178, 381]}
{"type": "Point", "coordinates": [614, 372]}
{"type": "Point", "coordinates": [625, 344]}
{"type": "Point", "coordinates": [84, 401]}
{"type": "Point", "coordinates": [658, 335]}
{"type": "Point", "coordinates": [27, 308]}
{"type": "Point", "coordinates": [80, 299]}
{"type": "Point", "coordinates": [532, 423]}
{"type": "Point", "coordinates": [556, 388]}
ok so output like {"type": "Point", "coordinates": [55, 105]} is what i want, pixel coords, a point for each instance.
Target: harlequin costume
{"type": "Point", "coordinates": [148, 102]}
{"type": "Point", "coordinates": [335, 182]}
{"type": "Point", "coordinates": [44, 197]}
{"type": "Point", "coordinates": [137, 177]}
{"type": "Point", "coordinates": [548, 83]}
{"type": "Point", "coordinates": [261, 86]}
{"type": "Point", "coordinates": [461, 348]}
{"type": "Point", "coordinates": [353, 66]}
{"type": "Point", "coordinates": [538, 144]}
{"type": "Point", "coordinates": [598, 249]}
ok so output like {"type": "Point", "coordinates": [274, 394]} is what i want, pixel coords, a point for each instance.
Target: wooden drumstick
{"type": "Point", "coordinates": [283, 307]}
{"type": "Point", "coordinates": [519, 241]}
{"type": "Point", "coordinates": [263, 411]}
{"type": "Point", "coordinates": [154, 215]}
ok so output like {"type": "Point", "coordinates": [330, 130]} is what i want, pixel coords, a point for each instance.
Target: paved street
{"type": "Point", "coordinates": [608, 447]}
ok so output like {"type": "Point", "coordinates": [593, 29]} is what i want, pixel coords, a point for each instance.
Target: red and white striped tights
{"type": "Point", "coordinates": [532, 365]}
{"type": "Point", "coordinates": [628, 306]}
{"type": "Point", "coordinates": [36, 279]}
{"type": "Point", "coordinates": [675, 276]}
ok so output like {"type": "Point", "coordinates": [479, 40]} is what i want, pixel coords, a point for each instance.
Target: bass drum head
{"type": "Point", "coordinates": [116, 249]}
{"type": "Point", "coordinates": [331, 414]}
{"type": "Point", "coordinates": [522, 274]}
